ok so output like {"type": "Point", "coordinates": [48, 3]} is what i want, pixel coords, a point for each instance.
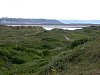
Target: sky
{"type": "Point", "coordinates": [51, 9]}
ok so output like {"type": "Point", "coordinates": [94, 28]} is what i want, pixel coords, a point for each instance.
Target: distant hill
{"type": "Point", "coordinates": [21, 21]}
{"type": "Point", "coordinates": [80, 21]}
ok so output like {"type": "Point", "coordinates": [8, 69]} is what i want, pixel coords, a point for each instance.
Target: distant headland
{"type": "Point", "coordinates": [28, 21]}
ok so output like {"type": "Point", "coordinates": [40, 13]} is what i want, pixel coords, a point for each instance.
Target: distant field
{"type": "Point", "coordinates": [65, 27]}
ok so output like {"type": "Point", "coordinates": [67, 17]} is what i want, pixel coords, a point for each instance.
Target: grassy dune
{"type": "Point", "coordinates": [35, 51]}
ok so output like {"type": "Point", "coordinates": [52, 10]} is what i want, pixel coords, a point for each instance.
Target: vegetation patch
{"type": "Point", "coordinates": [35, 51]}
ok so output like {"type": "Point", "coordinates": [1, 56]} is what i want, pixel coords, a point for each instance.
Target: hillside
{"type": "Point", "coordinates": [35, 51]}
{"type": "Point", "coordinates": [22, 21]}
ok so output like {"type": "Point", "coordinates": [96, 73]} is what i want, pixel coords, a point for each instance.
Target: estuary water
{"type": "Point", "coordinates": [50, 27]}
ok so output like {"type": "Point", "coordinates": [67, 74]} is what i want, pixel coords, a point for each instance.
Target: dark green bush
{"type": "Point", "coordinates": [78, 42]}
{"type": "Point", "coordinates": [45, 53]}
{"type": "Point", "coordinates": [20, 48]}
{"type": "Point", "coordinates": [17, 60]}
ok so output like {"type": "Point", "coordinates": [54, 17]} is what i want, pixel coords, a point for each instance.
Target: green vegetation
{"type": "Point", "coordinates": [35, 51]}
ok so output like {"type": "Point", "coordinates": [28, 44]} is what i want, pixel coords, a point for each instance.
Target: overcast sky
{"type": "Point", "coordinates": [51, 9]}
